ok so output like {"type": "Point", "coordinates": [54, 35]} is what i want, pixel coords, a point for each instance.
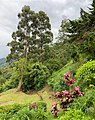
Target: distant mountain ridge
{"type": "Point", "coordinates": [3, 62]}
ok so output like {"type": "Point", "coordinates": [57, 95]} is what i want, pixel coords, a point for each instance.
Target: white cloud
{"type": "Point", "coordinates": [55, 9]}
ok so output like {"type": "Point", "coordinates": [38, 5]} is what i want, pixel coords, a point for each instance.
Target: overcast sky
{"type": "Point", "coordinates": [55, 9]}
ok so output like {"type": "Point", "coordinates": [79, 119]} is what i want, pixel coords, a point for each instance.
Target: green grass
{"type": "Point", "coordinates": [11, 97]}
{"type": "Point", "coordinates": [56, 81]}
{"type": "Point", "coordinates": [71, 67]}
{"type": "Point", "coordinates": [60, 73]}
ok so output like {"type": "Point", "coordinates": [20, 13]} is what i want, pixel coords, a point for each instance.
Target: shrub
{"type": "Point", "coordinates": [36, 78]}
{"type": "Point", "coordinates": [9, 78]}
{"type": "Point", "coordinates": [85, 75]}
{"type": "Point", "coordinates": [22, 112]}
{"type": "Point", "coordinates": [8, 111]}
{"type": "Point", "coordinates": [11, 108]}
{"type": "Point", "coordinates": [53, 65]}
{"type": "Point", "coordinates": [9, 84]}
{"type": "Point", "coordinates": [66, 96]}
{"type": "Point", "coordinates": [5, 116]}
{"type": "Point", "coordinates": [57, 85]}
{"type": "Point", "coordinates": [86, 103]}
{"type": "Point", "coordinates": [74, 115]}
{"type": "Point", "coordinates": [26, 114]}
{"type": "Point", "coordinates": [42, 105]}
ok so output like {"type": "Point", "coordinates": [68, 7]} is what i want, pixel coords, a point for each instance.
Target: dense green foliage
{"type": "Point", "coordinates": [25, 76]}
{"type": "Point", "coordinates": [85, 75]}
{"type": "Point", "coordinates": [22, 112]}
{"type": "Point", "coordinates": [33, 33]}
{"type": "Point", "coordinates": [8, 78]}
{"type": "Point", "coordinates": [74, 114]}
{"type": "Point", "coordinates": [82, 34]}
{"type": "Point", "coordinates": [86, 103]}
{"type": "Point", "coordinates": [36, 77]}
{"type": "Point", "coordinates": [11, 108]}
{"type": "Point", "coordinates": [34, 59]}
{"type": "Point", "coordinates": [56, 80]}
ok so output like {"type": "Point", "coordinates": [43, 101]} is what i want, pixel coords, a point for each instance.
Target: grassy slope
{"type": "Point", "coordinates": [11, 97]}
{"type": "Point", "coordinates": [60, 73]}
{"type": "Point", "coordinates": [58, 76]}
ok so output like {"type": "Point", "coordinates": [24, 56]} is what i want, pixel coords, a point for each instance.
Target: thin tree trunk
{"type": "Point", "coordinates": [26, 51]}
{"type": "Point", "coordinates": [19, 85]}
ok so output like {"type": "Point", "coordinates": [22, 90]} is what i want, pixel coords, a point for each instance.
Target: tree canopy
{"type": "Point", "coordinates": [33, 33]}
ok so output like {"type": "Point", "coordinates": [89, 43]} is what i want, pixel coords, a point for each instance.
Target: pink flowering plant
{"type": "Point", "coordinates": [77, 92]}
{"type": "Point", "coordinates": [54, 110]}
{"type": "Point", "coordinates": [67, 96]}
{"type": "Point", "coordinates": [67, 79]}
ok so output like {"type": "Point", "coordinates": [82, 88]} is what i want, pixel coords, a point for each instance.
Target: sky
{"type": "Point", "coordinates": [55, 9]}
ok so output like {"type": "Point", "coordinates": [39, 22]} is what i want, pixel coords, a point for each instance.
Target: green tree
{"type": "Point", "coordinates": [63, 31]}
{"type": "Point", "coordinates": [33, 33]}
{"type": "Point", "coordinates": [65, 50]}
{"type": "Point", "coordinates": [82, 33]}
{"type": "Point", "coordinates": [21, 38]}
{"type": "Point", "coordinates": [43, 35]}
{"type": "Point", "coordinates": [21, 69]}
{"type": "Point", "coordinates": [36, 77]}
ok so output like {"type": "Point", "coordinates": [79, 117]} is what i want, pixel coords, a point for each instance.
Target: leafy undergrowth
{"type": "Point", "coordinates": [58, 74]}
{"type": "Point", "coordinates": [56, 80]}
{"type": "Point", "coordinates": [11, 97]}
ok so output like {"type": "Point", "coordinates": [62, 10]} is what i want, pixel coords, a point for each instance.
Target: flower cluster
{"type": "Point", "coordinates": [66, 93]}
{"type": "Point", "coordinates": [77, 92]}
{"type": "Point", "coordinates": [67, 75]}
{"type": "Point", "coordinates": [67, 79]}
{"type": "Point", "coordinates": [66, 97]}
{"type": "Point", "coordinates": [54, 110]}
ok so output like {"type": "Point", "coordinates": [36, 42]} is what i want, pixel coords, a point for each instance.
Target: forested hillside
{"type": "Point", "coordinates": [48, 80]}
{"type": "Point", "coordinates": [3, 62]}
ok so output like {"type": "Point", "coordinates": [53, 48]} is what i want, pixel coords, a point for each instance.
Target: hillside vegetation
{"type": "Point", "coordinates": [13, 97]}
{"type": "Point", "coordinates": [47, 80]}
{"type": "Point", "coordinates": [3, 62]}
{"type": "Point", "coordinates": [56, 80]}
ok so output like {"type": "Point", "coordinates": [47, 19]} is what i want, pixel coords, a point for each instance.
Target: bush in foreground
{"type": "Point", "coordinates": [85, 75]}
{"type": "Point", "coordinates": [73, 114]}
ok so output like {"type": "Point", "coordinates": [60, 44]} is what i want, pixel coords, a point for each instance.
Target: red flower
{"type": "Point", "coordinates": [66, 93]}
{"type": "Point", "coordinates": [54, 110]}
{"type": "Point", "coordinates": [66, 75]}
{"type": "Point", "coordinates": [70, 82]}
{"type": "Point", "coordinates": [77, 89]}
{"type": "Point", "coordinates": [77, 92]}
{"type": "Point", "coordinates": [81, 94]}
